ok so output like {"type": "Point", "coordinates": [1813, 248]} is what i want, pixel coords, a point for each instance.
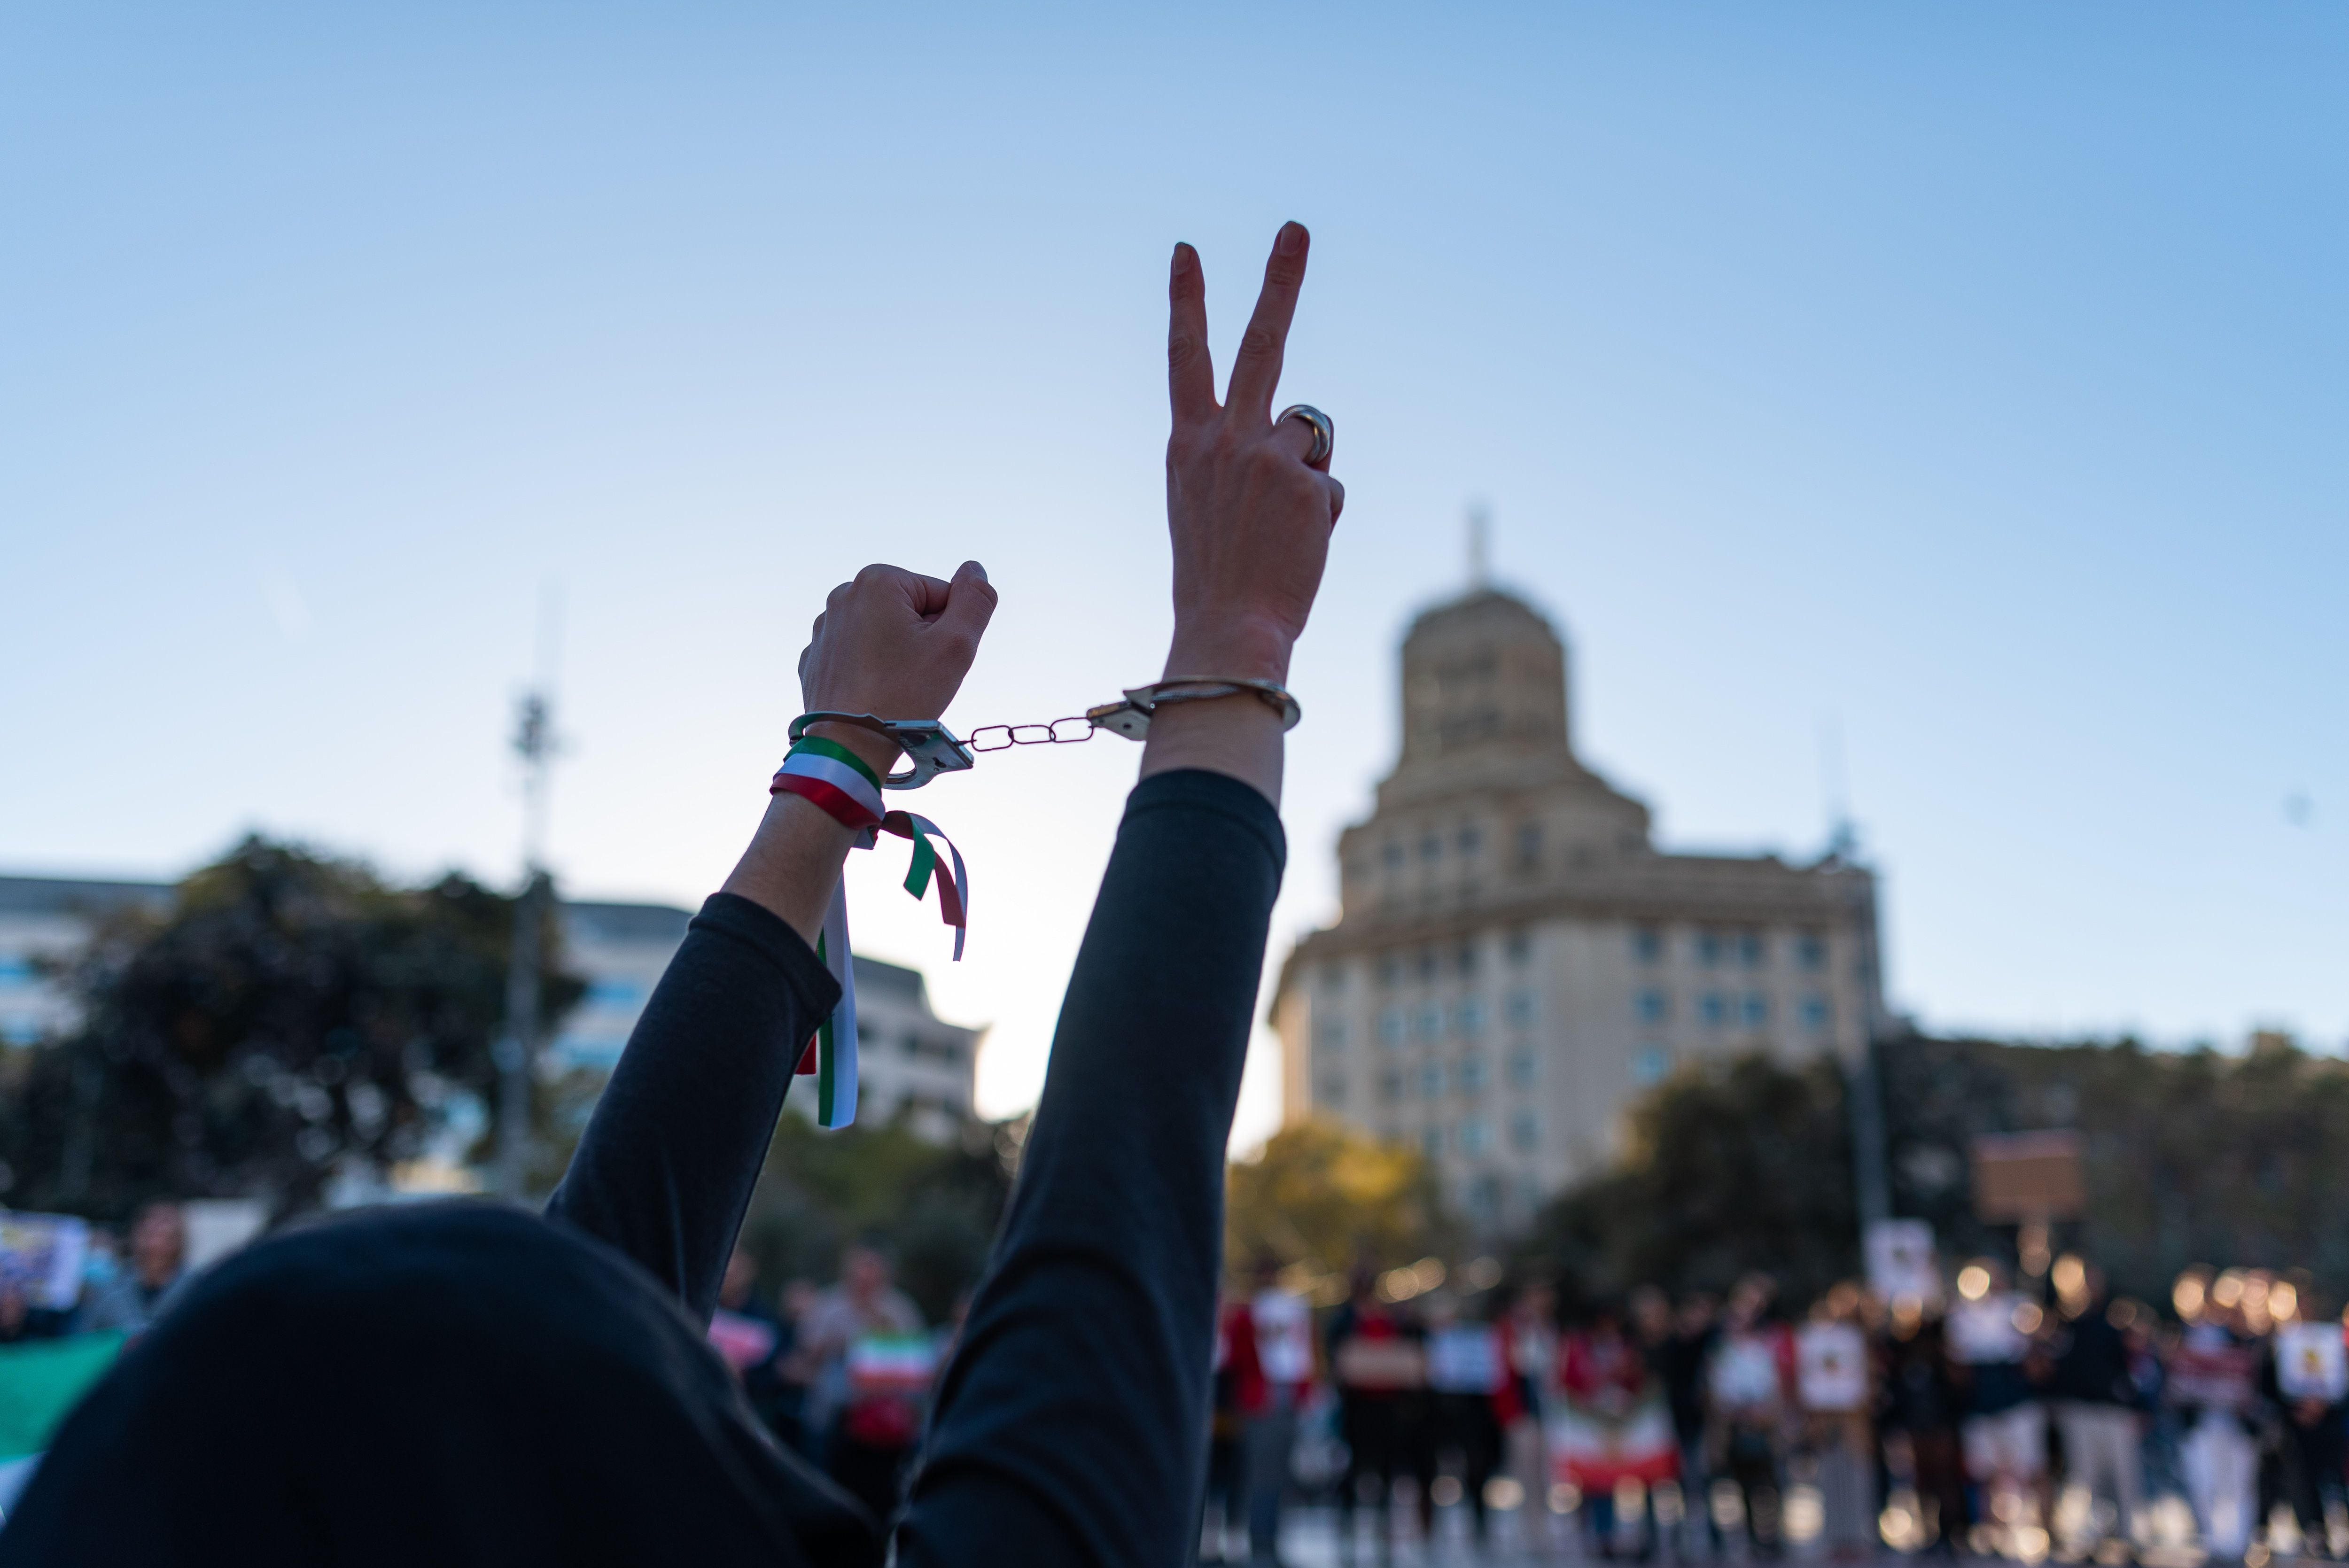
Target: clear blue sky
{"type": "Point", "coordinates": [1970, 382]}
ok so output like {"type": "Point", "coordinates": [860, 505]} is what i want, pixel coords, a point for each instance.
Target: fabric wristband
{"type": "Point", "coordinates": [840, 783]}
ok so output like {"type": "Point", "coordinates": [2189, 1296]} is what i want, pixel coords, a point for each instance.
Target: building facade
{"type": "Point", "coordinates": [1515, 961]}
{"type": "Point", "coordinates": [907, 1056]}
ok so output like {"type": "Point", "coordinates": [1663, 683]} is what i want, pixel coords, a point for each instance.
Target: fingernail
{"type": "Point", "coordinates": [1291, 239]}
{"type": "Point", "coordinates": [976, 570]}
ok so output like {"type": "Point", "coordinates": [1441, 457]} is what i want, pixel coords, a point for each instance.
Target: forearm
{"type": "Point", "coordinates": [665, 1169]}
{"type": "Point", "coordinates": [1071, 1424]}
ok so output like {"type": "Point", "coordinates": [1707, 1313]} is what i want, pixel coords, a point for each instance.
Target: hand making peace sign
{"type": "Point", "coordinates": [1249, 501]}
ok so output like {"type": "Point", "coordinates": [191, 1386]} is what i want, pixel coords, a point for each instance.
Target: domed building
{"type": "Point", "coordinates": [1516, 962]}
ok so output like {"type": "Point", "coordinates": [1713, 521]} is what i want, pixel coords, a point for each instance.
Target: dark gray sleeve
{"type": "Point", "coordinates": [1071, 1425]}
{"type": "Point", "coordinates": [665, 1171]}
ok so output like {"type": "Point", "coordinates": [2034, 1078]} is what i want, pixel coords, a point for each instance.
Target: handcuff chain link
{"type": "Point", "coordinates": [1031, 733]}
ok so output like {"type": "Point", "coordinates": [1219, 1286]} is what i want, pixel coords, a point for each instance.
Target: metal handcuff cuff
{"type": "Point", "coordinates": [931, 749]}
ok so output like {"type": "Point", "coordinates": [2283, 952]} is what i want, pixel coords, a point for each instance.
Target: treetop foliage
{"type": "Point", "coordinates": [287, 1011]}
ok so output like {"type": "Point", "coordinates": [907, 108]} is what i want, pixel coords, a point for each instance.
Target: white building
{"type": "Point", "coordinates": [1515, 961]}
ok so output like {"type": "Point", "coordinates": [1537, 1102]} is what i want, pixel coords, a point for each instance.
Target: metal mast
{"type": "Point", "coordinates": [517, 1049]}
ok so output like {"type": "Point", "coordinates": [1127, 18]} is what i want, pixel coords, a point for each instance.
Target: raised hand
{"type": "Point", "coordinates": [896, 644]}
{"type": "Point", "coordinates": [1250, 517]}
{"type": "Point", "coordinates": [893, 643]}
{"type": "Point", "coordinates": [1250, 520]}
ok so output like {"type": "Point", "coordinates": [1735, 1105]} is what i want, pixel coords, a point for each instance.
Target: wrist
{"type": "Point", "coordinates": [876, 750]}
{"type": "Point", "coordinates": [1243, 649]}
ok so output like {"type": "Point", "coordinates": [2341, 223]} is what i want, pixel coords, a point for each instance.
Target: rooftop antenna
{"type": "Point", "coordinates": [516, 1055]}
{"type": "Point", "coordinates": [1843, 839]}
{"type": "Point", "coordinates": [1480, 546]}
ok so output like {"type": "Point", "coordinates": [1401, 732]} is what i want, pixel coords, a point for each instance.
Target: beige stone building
{"type": "Point", "coordinates": [1515, 961]}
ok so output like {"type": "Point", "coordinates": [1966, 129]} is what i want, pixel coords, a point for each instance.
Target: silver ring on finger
{"type": "Point", "coordinates": [1325, 433]}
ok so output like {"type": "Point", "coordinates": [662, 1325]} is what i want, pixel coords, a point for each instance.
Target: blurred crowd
{"type": "Point", "coordinates": [121, 1284]}
{"type": "Point", "coordinates": [2030, 1420]}
{"type": "Point", "coordinates": [2052, 1420]}
{"type": "Point", "coordinates": [841, 1374]}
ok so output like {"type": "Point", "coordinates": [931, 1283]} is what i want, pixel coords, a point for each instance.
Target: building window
{"type": "Point", "coordinates": [1472, 839]}
{"type": "Point", "coordinates": [1470, 1017]}
{"type": "Point", "coordinates": [1470, 1074]}
{"type": "Point", "coordinates": [1647, 945]}
{"type": "Point", "coordinates": [1333, 1092]}
{"type": "Point", "coordinates": [1713, 1009]}
{"type": "Point", "coordinates": [1811, 950]}
{"type": "Point", "coordinates": [1757, 1009]}
{"type": "Point", "coordinates": [1427, 964]}
{"type": "Point", "coordinates": [1473, 1136]}
{"type": "Point", "coordinates": [1520, 946]}
{"type": "Point", "coordinates": [1467, 958]}
{"type": "Point", "coordinates": [1816, 1014]}
{"type": "Point", "coordinates": [911, 1045]}
{"type": "Point", "coordinates": [1750, 949]}
{"type": "Point", "coordinates": [1521, 1008]}
{"type": "Point", "coordinates": [1652, 1005]}
{"type": "Point", "coordinates": [1524, 1131]}
{"type": "Point", "coordinates": [1389, 970]}
{"type": "Point", "coordinates": [1333, 977]}
{"type": "Point", "coordinates": [1390, 1085]}
{"type": "Point", "coordinates": [1431, 849]}
{"type": "Point", "coordinates": [1431, 1081]}
{"type": "Point", "coordinates": [1521, 1069]}
{"type": "Point", "coordinates": [1484, 1198]}
{"type": "Point", "coordinates": [1431, 1142]}
{"type": "Point", "coordinates": [1393, 855]}
{"type": "Point", "coordinates": [1530, 837]}
{"type": "Point", "coordinates": [1712, 948]}
{"type": "Point", "coordinates": [1430, 1022]}
{"type": "Point", "coordinates": [1330, 1035]}
{"type": "Point", "coordinates": [1390, 1026]}
{"type": "Point", "coordinates": [1650, 1063]}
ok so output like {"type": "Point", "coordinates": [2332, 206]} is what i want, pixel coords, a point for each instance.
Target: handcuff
{"type": "Point", "coordinates": [931, 749]}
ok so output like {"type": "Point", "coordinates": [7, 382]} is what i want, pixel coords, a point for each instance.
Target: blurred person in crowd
{"type": "Point", "coordinates": [797, 1299]}
{"type": "Point", "coordinates": [1473, 1399]}
{"type": "Point", "coordinates": [1654, 1333]}
{"type": "Point", "coordinates": [2149, 1342]}
{"type": "Point", "coordinates": [2307, 1377]}
{"type": "Point", "coordinates": [1529, 1327]}
{"type": "Point", "coordinates": [1280, 1332]}
{"type": "Point", "coordinates": [1605, 1386]}
{"type": "Point", "coordinates": [868, 1425]}
{"type": "Point", "coordinates": [1835, 1389]}
{"type": "Point", "coordinates": [2095, 1405]}
{"type": "Point", "coordinates": [1922, 1406]}
{"type": "Point", "coordinates": [2004, 1432]}
{"type": "Point", "coordinates": [2212, 1386]}
{"type": "Point", "coordinates": [1236, 1384]}
{"type": "Point", "coordinates": [1678, 1362]}
{"type": "Point", "coordinates": [1749, 1403]}
{"type": "Point", "coordinates": [468, 1382]}
{"type": "Point", "coordinates": [155, 1278]}
{"type": "Point", "coordinates": [758, 1342]}
{"type": "Point", "coordinates": [1378, 1361]}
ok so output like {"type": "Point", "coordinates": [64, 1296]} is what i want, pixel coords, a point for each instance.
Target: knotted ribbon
{"type": "Point", "coordinates": [836, 779]}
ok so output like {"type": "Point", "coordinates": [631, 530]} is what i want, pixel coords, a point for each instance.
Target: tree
{"type": "Point", "coordinates": [288, 1012]}
{"type": "Point", "coordinates": [1327, 1197]}
{"type": "Point", "coordinates": [2193, 1156]}
{"type": "Point", "coordinates": [1726, 1169]}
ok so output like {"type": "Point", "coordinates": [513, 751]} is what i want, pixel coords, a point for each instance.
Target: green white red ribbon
{"type": "Point", "coordinates": [841, 783]}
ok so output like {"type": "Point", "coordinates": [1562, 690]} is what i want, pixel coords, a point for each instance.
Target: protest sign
{"type": "Point", "coordinates": [45, 1252]}
{"type": "Point", "coordinates": [1831, 1367]}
